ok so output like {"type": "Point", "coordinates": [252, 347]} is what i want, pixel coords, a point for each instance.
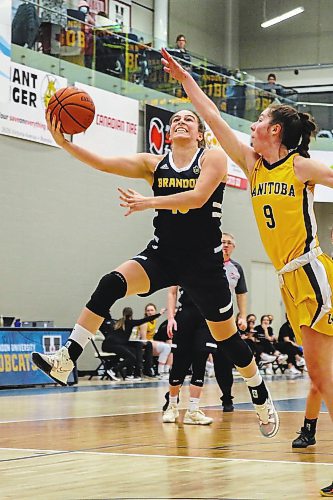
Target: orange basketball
{"type": "Point", "coordinates": [74, 108]}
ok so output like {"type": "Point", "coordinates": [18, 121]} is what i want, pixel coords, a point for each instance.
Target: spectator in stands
{"type": "Point", "coordinates": [279, 90]}
{"type": "Point", "coordinates": [267, 348]}
{"type": "Point", "coordinates": [53, 20]}
{"type": "Point", "coordinates": [161, 349]}
{"type": "Point", "coordinates": [181, 52]}
{"type": "Point", "coordinates": [250, 330]}
{"type": "Point", "coordinates": [117, 340]}
{"type": "Point", "coordinates": [264, 360]}
{"type": "Point", "coordinates": [287, 345]}
{"type": "Point", "coordinates": [235, 94]}
{"type": "Point", "coordinates": [83, 7]}
{"type": "Point", "coordinates": [142, 63]}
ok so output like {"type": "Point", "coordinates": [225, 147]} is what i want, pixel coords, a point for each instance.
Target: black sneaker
{"type": "Point", "coordinates": [166, 404]}
{"type": "Point", "coordinates": [228, 407]}
{"type": "Point", "coordinates": [328, 491]}
{"type": "Point", "coordinates": [303, 440]}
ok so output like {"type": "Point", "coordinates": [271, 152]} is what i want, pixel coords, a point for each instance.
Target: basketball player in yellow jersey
{"type": "Point", "coordinates": [282, 178]}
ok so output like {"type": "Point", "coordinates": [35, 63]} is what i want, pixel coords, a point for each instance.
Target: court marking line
{"type": "Point", "coordinates": [207, 406]}
{"type": "Point", "coordinates": [135, 413]}
{"type": "Point", "coordinates": [48, 453]}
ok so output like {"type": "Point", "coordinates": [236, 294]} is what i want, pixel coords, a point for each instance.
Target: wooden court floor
{"type": "Point", "coordinates": [107, 441]}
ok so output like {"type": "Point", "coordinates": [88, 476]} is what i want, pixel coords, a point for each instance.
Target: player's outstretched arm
{"type": "Point", "coordinates": [313, 171]}
{"type": "Point", "coordinates": [213, 172]}
{"type": "Point", "coordinates": [138, 166]}
{"type": "Point", "coordinates": [240, 153]}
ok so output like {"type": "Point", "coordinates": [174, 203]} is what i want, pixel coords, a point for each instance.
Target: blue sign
{"type": "Point", "coordinates": [16, 346]}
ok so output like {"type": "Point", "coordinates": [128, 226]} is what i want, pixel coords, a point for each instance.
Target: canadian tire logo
{"type": "Point", "coordinates": [156, 136]}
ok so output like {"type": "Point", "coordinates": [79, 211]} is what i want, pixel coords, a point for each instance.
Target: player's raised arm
{"type": "Point", "coordinates": [313, 171]}
{"type": "Point", "coordinates": [213, 172]}
{"type": "Point", "coordinates": [137, 166]}
{"type": "Point", "coordinates": [240, 153]}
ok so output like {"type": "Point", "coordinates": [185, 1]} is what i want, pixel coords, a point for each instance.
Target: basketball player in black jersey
{"type": "Point", "coordinates": [188, 185]}
{"type": "Point", "coordinates": [192, 343]}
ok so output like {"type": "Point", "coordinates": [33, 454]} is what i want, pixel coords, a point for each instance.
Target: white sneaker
{"type": "Point", "coordinates": [196, 417]}
{"type": "Point", "coordinates": [171, 414]}
{"type": "Point", "coordinates": [292, 371]}
{"type": "Point", "coordinates": [269, 421]}
{"type": "Point", "coordinates": [112, 375]}
{"type": "Point", "coordinates": [267, 358]}
{"type": "Point", "coordinates": [282, 358]}
{"type": "Point", "coordinates": [300, 362]}
{"type": "Point", "coordinates": [58, 366]}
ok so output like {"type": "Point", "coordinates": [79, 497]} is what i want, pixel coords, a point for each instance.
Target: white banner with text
{"type": "Point", "coordinates": [24, 115]}
{"type": "Point", "coordinates": [114, 130]}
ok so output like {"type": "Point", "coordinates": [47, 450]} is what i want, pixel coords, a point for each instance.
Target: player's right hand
{"type": "Point", "coordinates": [54, 129]}
{"type": "Point", "coordinates": [173, 67]}
{"type": "Point", "coordinates": [172, 326]}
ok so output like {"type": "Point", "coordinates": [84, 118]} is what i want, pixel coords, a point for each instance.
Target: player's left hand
{"type": "Point", "coordinates": [134, 201]}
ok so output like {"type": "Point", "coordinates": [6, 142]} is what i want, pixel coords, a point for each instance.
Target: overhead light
{"type": "Point", "coordinates": [283, 17]}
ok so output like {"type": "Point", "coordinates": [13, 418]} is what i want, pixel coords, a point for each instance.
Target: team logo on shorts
{"type": "Point", "coordinates": [196, 169]}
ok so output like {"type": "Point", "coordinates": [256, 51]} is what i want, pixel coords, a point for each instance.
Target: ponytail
{"type": "Point", "coordinates": [309, 128]}
{"type": "Point", "coordinates": [297, 128]}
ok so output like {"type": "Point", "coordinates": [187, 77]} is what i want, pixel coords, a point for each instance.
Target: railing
{"type": "Point", "coordinates": [125, 56]}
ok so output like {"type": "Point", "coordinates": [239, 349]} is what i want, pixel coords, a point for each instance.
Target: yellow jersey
{"type": "Point", "coordinates": [151, 329]}
{"type": "Point", "coordinates": [283, 207]}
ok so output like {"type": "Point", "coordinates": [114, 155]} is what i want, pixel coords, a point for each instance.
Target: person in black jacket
{"type": "Point", "coordinates": [117, 335]}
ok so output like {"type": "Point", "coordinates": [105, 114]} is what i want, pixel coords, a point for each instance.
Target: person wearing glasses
{"type": "Point", "coordinates": [222, 364]}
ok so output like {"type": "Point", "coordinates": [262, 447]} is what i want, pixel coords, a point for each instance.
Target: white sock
{"type": "Point", "coordinates": [160, 369]}
{"type": "Point", "coordinates": [166, 368]}
{"type": "Point", "coordinates": [255, 380]}
{"type": "Point", "coordinates": [194, 404]}
{"type": "Point", "coordinates": [173, 400]}
{"type": "Point", "coordinates": [80, 335]}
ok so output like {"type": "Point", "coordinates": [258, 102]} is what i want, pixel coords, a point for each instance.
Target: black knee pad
{"type": "Point", "coordinates": [199, 382]}
{"type": "Point", "coordinates": [176, 381]}
{"type": "Point", "coordinates": [237, 350]}
{"type": "Point", "coordinates": [111, 287]}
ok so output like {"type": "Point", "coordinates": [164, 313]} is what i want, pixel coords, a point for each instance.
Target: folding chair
{"type": "Point", "coordinates": [103, 357]}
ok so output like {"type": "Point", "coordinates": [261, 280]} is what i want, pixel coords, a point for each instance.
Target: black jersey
{"type": "Point", "coordinates": [184, 299]}
{"type": "Point", "coordinates": [196, 228]}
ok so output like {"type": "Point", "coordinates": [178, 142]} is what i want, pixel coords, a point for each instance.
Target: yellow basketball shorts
{"type": "Point", "coordinates": [307, 295]}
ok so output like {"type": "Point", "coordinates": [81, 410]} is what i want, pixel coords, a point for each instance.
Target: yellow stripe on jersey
{"type": "Point", "coordinates": [283, 207]}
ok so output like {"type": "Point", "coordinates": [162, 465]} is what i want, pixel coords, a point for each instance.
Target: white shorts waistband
{"type": "Point", "coordinates": [300, 261]}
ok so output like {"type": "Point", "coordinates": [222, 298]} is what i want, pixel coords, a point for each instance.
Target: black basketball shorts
{"type": "Point", "coordinates": [199, 272]}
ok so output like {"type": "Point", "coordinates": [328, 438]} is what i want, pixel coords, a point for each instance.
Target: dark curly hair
{"type": "Point", "coordinates": [297, 127]}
